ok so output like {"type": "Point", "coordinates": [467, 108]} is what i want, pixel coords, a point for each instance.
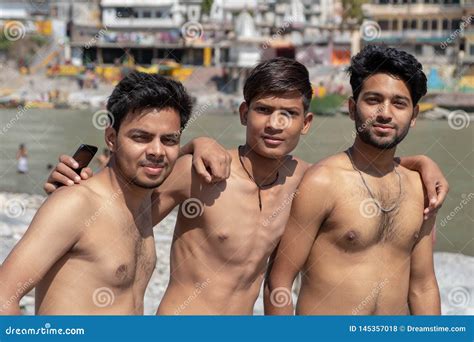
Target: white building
{"type": "Point", "coordinates": [421, 27]}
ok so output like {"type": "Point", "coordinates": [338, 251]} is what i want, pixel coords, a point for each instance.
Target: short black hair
{"type": "Point", "coordinates": [278, 76]}
{"type": "Point", "coordinates": [139, 90]}
{"type": "Point", "coordinates": [382, 59]}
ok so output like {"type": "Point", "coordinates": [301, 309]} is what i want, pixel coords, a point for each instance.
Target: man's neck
{"type": "Point", "coordinates": [263, 170]}
{"type": "Point", "coordinates": [132, 195]}
{"type": "Point", "coordinates": [370, 159]}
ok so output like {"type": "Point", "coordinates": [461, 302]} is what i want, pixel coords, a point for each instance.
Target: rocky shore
{"type": "Point", "coordinates": [455, 272]}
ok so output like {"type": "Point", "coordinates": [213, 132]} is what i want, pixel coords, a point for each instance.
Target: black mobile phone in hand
{"type": "Point", "coordinates": [83, 156]}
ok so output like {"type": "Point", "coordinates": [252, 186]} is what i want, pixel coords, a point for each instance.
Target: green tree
{"type": "Point", "coordinates": [352, 12]}
{"type": "Point", "coordinates": [206, 6]}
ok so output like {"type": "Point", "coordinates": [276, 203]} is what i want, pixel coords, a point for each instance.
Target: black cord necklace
{"type": "Point", "coordinates": [259, 187]}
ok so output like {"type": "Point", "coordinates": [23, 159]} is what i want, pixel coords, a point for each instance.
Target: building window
{"type": "Point", "coordinates": [124, 12]}
{"type": "Point", "coordinates": [383, 24]}
{"type": "Point", "coordinates": [434, 25]}
{"type": "Point", "coordinates": [146, 14]}
{"type": "Point", "coordinates": [413, 25]}
{"type": "Point", "coordinates": [395, 25]}
{"type": "Point", "coordinates": [424, 26]}
{"type": "Point", "coordinates": [405, 24]}
{"type": "Point", "coordinates": [445, 24]}
{"type": "Point", "coordinates": [455, 24]}
{"type": "Point", "coordinates": [471, 49]}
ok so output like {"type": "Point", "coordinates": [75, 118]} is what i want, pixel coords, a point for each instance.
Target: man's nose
{"type": "Point", "coordinates": [155, 148]}
{"type": "Point", "coordinates": [384, 112]}
{"type": "Point", "coordinates": [278, 120]}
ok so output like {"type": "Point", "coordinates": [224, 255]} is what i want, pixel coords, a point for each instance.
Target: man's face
{"type": "Point", "coordinates": [274, 124]}
{"type": "Point", "coordinates": [384, 111]}
{"type": "Point", "coordinates": [147, 146]}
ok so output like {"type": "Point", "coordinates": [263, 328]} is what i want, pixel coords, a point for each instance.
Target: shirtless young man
{"type": "Point", "coordinates": [356, 229]}
{"type": "Point", "coordinates": [225, 232]}
{"type": "Point", "coordinates": [90, 248]}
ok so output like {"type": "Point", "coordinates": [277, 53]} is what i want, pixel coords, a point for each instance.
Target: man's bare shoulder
{"type": "Point", "coordinates": [328, 171]}
{"type": "Point", "coordinates": [301, 166]}
{"type": "Point", "coordinates": [65, 211]}
{"type": "Point", "coordinates": [413, 178]}
{"type": "Point", "coordinates": [75, 199]}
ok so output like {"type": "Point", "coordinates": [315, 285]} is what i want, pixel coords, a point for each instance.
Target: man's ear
{"type": "Point", "coordinates": [243, 110]}
{"type": "Point", "coordinates": [308, 119]}
{"type": "Point", "coordinates": [416, 110]}
{"type": "Point", "coordinates": [111, 138]}
{"type": "Point", "coordinates": [352, 106]}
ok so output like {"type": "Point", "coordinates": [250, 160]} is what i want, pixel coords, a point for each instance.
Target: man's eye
{"type": "Point", "coordinates": [372, 101]}
{"type": "Point", "coordinates": [262, 109]}
{"type": "Point", "coordinates": [170, 141]}
{"type": "Point", "coordinates": [139, 137]}
{"type": "Point", "coordinates": [400, 104]}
